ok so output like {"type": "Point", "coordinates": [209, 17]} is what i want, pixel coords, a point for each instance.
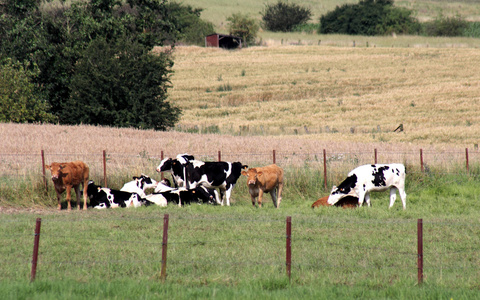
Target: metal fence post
{"type": "Point", "coordinates": [36, 243]}
{"type": "Point", "coordinates": [289, 248]}
{"type": "Point", "coordinates": [43, 172]}
{"type": "Point", "coordinates": [420, 250]}
{"type": "Point", "coordinates": [163, 274]}
{"type": "Point", "coordinates": [325, 169]}
{"type": "Point", "coordinates": [105, 167]}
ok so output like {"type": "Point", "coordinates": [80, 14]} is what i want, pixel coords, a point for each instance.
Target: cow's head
{"type": "Point", "coordinates": [346, 188]}
{"type": "Point", "coordinates": [252, 174]}
{"type": "Point", "coordinates": [165, 165]}
{"type": "Point", "coordinates": [145, 182]}
{"type": "Point", "coordinates": [56, 169]}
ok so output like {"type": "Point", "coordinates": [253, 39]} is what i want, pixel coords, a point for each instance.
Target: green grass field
{"type": "Point", "coordinates": [239, 251]}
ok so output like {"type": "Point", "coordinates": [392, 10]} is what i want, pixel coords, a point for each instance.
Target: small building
{"type": "Point", "coordinates": [223, 41]}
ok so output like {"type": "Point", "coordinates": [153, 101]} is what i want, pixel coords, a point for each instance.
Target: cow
{"type": "Point", "coordinates": [67, 175]}
{"type": "Point", "coordinates": [267, 179]}
{"type": "Point", "coordinates": [221, 175]}
{"type": "Point", "coordinates": [182, 196]}
{"type": "Point", "coordinates": [106, 197]}
{"type": "Point", "coordinates": [139, 185]}
{"type": "Point", "coordinates": [345, 202]}
{"type": "Point", "coordinates": [372, 178]}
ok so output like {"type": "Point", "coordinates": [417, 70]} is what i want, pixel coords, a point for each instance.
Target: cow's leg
{"type": "Point", "coordinates": [393, 196]}
{"type": "Point", "coordinates": [69, 197]}
{"type": "Point", "coordinates": [260, 197]}
{"type": "Point", "coordinates": [367, 199]}
{"type": "Point", "coordinates": [280, 188]}
{"type": "Point", "coordinates": [85, 187]}
{"type": "Point", "coordinates": [77, 194]}
{"type": "Point", "coordinates": [403, 196]}
{"type": "Point", "coordinates": [222, 195]}
{"type": "Point", "coordinates": [59, 205]}
{"type": "Point", "coordinates": [254, 199]}
{"type": "Point", "coordinates": [228, 192]}
{"type": "Point", "coordinates": [361, 198]}
{"type": "Point", "coordinates": [273, 194]}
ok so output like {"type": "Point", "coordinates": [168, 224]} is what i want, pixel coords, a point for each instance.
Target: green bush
{"type": "Point", "coordinates": [284, 16]}
{"type": "Point", "coordinates": [445, 26]}
{"type": "Point", "coordinates": [368, 17]}
{"type": "Point", "coordinates": [472, 30]}
{"type": "Point", "coordinates": [243, 26]}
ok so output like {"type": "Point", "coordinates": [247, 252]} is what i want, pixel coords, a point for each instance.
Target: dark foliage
{"type": "Point", "coordinates": [284, 16]}
{"type": "Point", "coordinates": [61, 39]}
{"type": "Point", "coordinates": [446, 26]}
{"type": "Point", "coordinates": [368, 17]}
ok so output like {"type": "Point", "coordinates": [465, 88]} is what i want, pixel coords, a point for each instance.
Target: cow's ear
{"type": "Point", "coordinates": [334, 188]}
{"type": "Point", "coordinates": [62, 166]}
{"type": "Point", "coordinates": [244, 173]}
{"type": "Point", "coordinates": [48, 167]}
{"type": "Point", "coordinates": [135, 177]}
{"type": "Point", "coordinates": [259, 173]}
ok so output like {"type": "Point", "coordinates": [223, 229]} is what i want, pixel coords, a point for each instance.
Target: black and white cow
{"type": "Point", "coordinates": [191, 173]}
{"type": "Point", "coordinates": [372, 178]}
{"type": "Point", "coordinates": [182, 196]}
{"type": "Point", "coordinates": [139, 185]}
{"type": "Point", "coordinates": [106, 198]}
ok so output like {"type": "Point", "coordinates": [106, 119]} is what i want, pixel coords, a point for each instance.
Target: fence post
{"type": "Point", "coordinates": [325, 169]}
{"type": "Point", "coordinates": [43, 172]}
{"type": "Point", "coordinates": [466, 157]}
{"type": "Point", "coordinates": [161, 159]}
{"type": "Point", "coordinates": [421, 160]}
{"type": "Point", "coordinates": [36, 243]}
{"type": "Point", "coordinates": [274, 158]}
{"type": "Point", "coordinates": [420, 250]}
{"type": "Point", "coordinates": [105, 167]}
{"type": "Point", "coordinates": [219, 155]}
{"type": "Point", "coordinates": [163, 274]}
{"type": "Point", "coordinates": [289, 247]}
{"type": "Point", "coordinates": [376, 156]}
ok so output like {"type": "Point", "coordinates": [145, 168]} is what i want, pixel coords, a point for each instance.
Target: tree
{"type": "Point", "coordinates": [243, 26]}
{"type": "Point", "coordinates": [121, 84]}
{"type": "Point", "coordinates": [284, 16]}
{"type": "Point", "coordinates": [20, 100]}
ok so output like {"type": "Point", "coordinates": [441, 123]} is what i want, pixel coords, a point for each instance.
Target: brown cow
{"type": "Point", "coordinates": [67, 175]}
{"type": "Point", "coordinates": [345, 202]}
{"type": "Point", "coordinates": [267, 179]}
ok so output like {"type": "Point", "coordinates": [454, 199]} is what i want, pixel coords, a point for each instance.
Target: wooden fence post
{"type": "Point", "coordinates": [219, 155]}
{"type": "Point", "coordinates": [161, 158]}
{"type": "Point", "coordinates": [420, 250]}
{"type": "Point", "coordinates": [376, 161]}
{"type": "Point", "coordinates": [43, 172]}
{"type": "Point", "coordinates": [289, 248]}
{"type": "Point", "coordinates": [105, 167]}
{"type": "Point", "coordinates": [325, 169]}
{"type": "Point", "coordinates": [421, 160]}
{"type": "Point", "coordinates": [274, 158]}
{"type": "Point", "coordinates": [163, 274]}
{"type": "Point", "coordinates": [466, 160]}
{"type": "Point", "coordinates": [36, 243]}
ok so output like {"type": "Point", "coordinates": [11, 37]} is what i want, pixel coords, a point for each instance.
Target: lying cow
{"type": "Point", "coordinates": [267, 179]}
{"type": "Point", "coordinates": [139, 185]}
{"type": "Point", "coordinates": [221, 175]}
{"type": "Point", "coordinates": [110, 198]}
{"type": "Point", "coordinates": [67, 175]}
{"type": "Point", "coordinates": [372, 178]}
{"type": "Point", "coordinates": [345, 202]}
{"type": "Point", "coordinates": [182, 196]}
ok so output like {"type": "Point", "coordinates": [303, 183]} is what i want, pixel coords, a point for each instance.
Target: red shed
{"type": "Point", "coordinates": [223, 41]}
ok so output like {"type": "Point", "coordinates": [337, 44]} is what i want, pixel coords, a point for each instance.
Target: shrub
{"type": "Point", "coordinates": [284, 16]}
{"type": "Point", "coordinates": [368, 17]}
{"type": "Point", "coordinates": [243, 26]}
{"type": "Point", "coordinates": [472, 30]}
{"type": "Point", "coordinates": [445, 26]}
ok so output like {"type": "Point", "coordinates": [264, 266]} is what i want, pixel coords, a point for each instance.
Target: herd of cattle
{"type": "Point", "coordinates": [196, 181]}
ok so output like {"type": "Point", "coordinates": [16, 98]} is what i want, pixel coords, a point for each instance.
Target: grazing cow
{"type": "Point", "coordinates": [345, 202]}
{"type": "Point", "coordinates": [139, 185]}
{"type": "Point", "coordinates": [267, 179]}
{"type": "Point", "coordinates": [222, 175]}
{"type": "Point", "coordinates": [372, 178]}
{"type": "Point", "coordinates": [67, 175]}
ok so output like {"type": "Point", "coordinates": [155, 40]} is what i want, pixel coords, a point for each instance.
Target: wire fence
{"type": "Point", "coordinates": [205, 248]}
{"type": "Point", "coordinates": [333, 165]}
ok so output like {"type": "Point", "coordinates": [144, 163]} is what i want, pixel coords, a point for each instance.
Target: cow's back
{"type": "Point", "coordinates": [271, 177]}
{"type": "Point", "coordinates": [76, 172]}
